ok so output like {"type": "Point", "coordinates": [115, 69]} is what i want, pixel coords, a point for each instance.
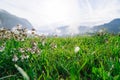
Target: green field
{"type": "Point", "coordinates": [54, 58]}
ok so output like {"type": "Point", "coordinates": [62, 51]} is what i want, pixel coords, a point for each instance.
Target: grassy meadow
{"type": "Point", "coordinates": [37, 57]}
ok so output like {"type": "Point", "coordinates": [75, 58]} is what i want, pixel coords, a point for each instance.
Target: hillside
{"type": "Point", "coordinates": [113, 26]}
{"type": "Point", "coordinates": [9, 21]}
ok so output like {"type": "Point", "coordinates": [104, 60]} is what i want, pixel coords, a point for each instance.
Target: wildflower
{"type": "Point", "coordinates": [34, 43]}
{"type": "Point", "coordinates": [77, 49]}
{"type": "Point", "coordinates": [33, 31]}
{"type": "Point", "coordinates": [27, 56]}
{"type": "Point", "coordinates": [34, 47]}
{"type": "Point", "coordinates": [36, 35]}
{"type": "Point", "coordinates": [28, 49]}
{"type": "Point", "coordinates": [33, 51]}
{"type": "Point", "coordinates": [38, 51]}
{"type": "Point", "coordinates": [53, 45]}
{"type": "Point", "coordinates": [2, 48]}
{"type": "Point", "coordinates": [24, 57]}
{"type": "Point", "coordinates": [21, 50]}
{"type": "Point", "coordinates": [15, 58]}
{"type": "Point", "coordinates": [22, 39]}
{"type": "Point", "coordinates": [42, 37]}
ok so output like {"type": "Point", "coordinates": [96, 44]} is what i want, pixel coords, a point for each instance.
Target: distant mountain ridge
{"type": "Point", "coordinates": [9, 21]}
{"type": "Point", "coordinates": [84, 29]}
{"type": "Point", "coordinates": [113, 26]}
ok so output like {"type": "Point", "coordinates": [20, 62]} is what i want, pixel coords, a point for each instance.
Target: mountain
{"type": "Point", "coordinates": [84, 29]}
{"type": "Point", "coordinates": [62, 30]}
{"type": "Point", "coordinates": [9, 21]}
{"type": "Point", "coordinates": [113, 26]}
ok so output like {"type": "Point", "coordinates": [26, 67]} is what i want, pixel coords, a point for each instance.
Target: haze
{"type": "Point", "coordinates": [53, 13]}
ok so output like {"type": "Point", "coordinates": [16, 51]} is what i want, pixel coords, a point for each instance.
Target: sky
{"type": "Point", "coordinates": [49, 14]}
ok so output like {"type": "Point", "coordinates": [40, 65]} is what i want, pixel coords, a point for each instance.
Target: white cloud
{"type": "Point", "coordinates": [66, 12]}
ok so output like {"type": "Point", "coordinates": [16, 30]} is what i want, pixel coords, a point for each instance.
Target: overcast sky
{"type": "Point", "coordinates": [63, 12]}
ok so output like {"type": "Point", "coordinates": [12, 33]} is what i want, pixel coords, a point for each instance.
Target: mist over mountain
{"type": "Point", "coordinates": [63, 30]}
{"type": "Point", "coordinates": [113, 26]}
{"type": "Point", "coordinates": [9, 21]}
{"type": "Point", "coordinates": [84, 29]}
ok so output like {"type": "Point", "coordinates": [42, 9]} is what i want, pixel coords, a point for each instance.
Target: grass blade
{"type": "Point", "coordinates": [24, 74]}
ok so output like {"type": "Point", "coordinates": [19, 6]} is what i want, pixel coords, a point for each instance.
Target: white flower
{"type": "Point", "coordinates": [32, 51]}
{"type": "Point", "coordinates": [15, 58]}
{"type": "Point", "coordinates": [34, 44]}
{"type": "Point", "coordinates": [77, 49]}
{"type": "Point", "coordinates": [28, 49]}
{"type": "Point", "coordinates": [53, 45]}
{"type": "Point", "coordinates": [21, 39]}
{"type": "Point", "coordinates": [2, 48]}
{"type": "Point", "coordinates": [24, 57]}
{"type": "Point", "coordinates": [21, 50]}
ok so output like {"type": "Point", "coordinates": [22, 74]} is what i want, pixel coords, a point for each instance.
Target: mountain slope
{"type": "Point", "coordinates": [84, 29]}
{"type": "Point", "coordinates": [113, 26]}
{"type": "Point", "coordinates": [9, 21]}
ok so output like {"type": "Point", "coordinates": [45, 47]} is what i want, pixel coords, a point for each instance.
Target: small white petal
{"type": "Point", "coordinates": [77, 49]}
{"type": "Point", "coordinates": [2, 49]}
{"type": "Point", "coordinates": [15, 58]}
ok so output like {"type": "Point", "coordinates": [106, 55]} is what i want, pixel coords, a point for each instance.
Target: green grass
{"type": "Point", "coordinates": [97, 59]}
